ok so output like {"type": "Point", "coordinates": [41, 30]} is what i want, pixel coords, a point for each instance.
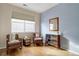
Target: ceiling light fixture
{"type": "Point", "coordinates": [24, 4]}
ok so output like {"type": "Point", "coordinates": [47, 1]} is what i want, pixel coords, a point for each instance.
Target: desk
{"type": "Point", "coordinates": [53, 40]}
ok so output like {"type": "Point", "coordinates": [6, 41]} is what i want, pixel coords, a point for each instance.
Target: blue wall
{"type": "Point", "coordinates": [69, 24]}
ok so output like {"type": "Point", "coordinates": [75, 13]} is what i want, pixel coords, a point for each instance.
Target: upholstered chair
{"type": "Point", "coordinates": [13, 44]}
{"type": "Point", "coordinates": [38, 40]}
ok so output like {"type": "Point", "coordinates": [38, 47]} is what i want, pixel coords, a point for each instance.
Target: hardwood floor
{"type": "Point", "coordinates": [40, 51]}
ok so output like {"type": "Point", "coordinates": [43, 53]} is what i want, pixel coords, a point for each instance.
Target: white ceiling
{"type": "Point", "coordinates": [37, 7]}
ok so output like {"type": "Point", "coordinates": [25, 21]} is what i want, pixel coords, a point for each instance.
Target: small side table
{"type": "Point", "coordinates": [26, 42]}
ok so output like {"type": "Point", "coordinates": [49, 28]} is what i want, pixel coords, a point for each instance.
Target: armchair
{"type": "Point", "coordinates": [14, 43]}
{"type": "Point", "coordinates": [26, 41]}
{"type": "Point", "coordinates": [38, 40]}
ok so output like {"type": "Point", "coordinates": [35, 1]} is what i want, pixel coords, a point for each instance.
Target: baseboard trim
{"type": "Point", "coordinates": [73, 52]}
{"type": "Point", "coordinates": [2, 47]}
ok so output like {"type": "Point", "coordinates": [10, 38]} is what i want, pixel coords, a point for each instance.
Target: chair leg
{"type": "Point", "coordinates": [20, 45]}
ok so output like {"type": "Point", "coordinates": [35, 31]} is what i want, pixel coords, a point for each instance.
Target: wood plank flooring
{"type": "Point", "coordinates": [40, 51]}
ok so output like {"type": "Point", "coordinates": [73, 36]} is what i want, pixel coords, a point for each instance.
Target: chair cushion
{"type": "Point", "coordinates": [37, 38]}
{"type": "Point", "coordinates": [13, 42]}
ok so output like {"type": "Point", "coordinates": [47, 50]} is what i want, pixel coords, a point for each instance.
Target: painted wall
{"type": "Point", "coordinates": [6, 12]}
{"type": "Point", "coordinates": [69, 24]}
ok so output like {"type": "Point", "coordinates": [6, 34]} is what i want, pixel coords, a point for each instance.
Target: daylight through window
{"type": "Point", "coordinates": [19, 25]}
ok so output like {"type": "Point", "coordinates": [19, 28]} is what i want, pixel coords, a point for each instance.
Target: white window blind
{"type": "Point", "coordinates": [22, 25]}
{"type": "Point", "coordinates": [29, 26]}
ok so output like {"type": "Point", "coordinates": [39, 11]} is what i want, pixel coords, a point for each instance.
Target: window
{"type": "Point", "coordinates": [22, 25]}
{"type": "Point", "coordinates": [29, 26]}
